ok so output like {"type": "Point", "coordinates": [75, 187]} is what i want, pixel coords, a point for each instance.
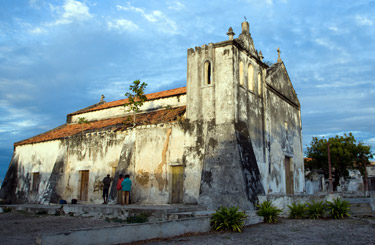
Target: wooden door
{"type": "Point", "coordinates": [289, 184]}
{"type": "Point", "coordinates": [177, 184]}
{"type": "Point", "coordinates": [84, 185]}
{"type": "Point", "coordinates": [36, 182]}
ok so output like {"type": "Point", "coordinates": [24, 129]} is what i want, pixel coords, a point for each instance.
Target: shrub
{"type": "Point", "coordinates": [141, 218]}
{"type": "Point", "coordinates": [269, 212]}
{"type": "Point", "coordinates": [316, 210]}
{"type": "Point", "coordinates": [115, 220]}
{"type": "Point", "coordinates": [7, 209]}
{"type": "Point", "coordinates": [42, 212]}
{"type": "Point", "coordinates": [338, 209]}
{"type": "Point", "coordinates": [297, 210]}
{"type": "Point", "coordinates": [228, 219]}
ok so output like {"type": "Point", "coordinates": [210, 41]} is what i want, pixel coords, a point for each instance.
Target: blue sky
{"type": "Point", "coordinates": [60, 56]}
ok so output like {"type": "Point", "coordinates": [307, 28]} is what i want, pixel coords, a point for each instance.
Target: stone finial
{"type": "Point", "coordinates": [102, 98]}
{"type": "Point", "coordinates": [260, 55]}
{"type": "Point", "coordinates": [278, 56]}
{"type": "Point", "coordinates": [245, 27]}
{"type": "Point", "coordinates": [230, 33]}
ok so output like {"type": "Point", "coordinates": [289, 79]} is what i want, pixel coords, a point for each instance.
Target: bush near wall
{"type": "Point", "coordinates": [337, 209]}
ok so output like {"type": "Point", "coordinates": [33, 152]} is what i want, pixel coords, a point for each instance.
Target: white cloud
{"type": "Point", "coordinates": [269, 2]}
{"type": "Point", "coordinates": [363, 21]}
{"type": "Point", "coordinates": [76, 10]}
{"type": "Point", "coordinates": [122, 25]}
{"type": "Point", "coordinates": [37, 30]}
{"type": "Point", "coordinates": [34, 4]}
{"type": "Point", "coordinates": [156, 16]}
{"type": "Point", "coordinates": [73, 11]}
{"type": "Point", "coordinates": [14, 120]}
{"type": "Point", "coordinates": [324, 43]}
{"type": "Point", "coordinates": [176, 6]}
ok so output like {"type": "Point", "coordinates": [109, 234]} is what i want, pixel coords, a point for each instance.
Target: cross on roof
{"type": "Point", "coordinates": [278, 55]}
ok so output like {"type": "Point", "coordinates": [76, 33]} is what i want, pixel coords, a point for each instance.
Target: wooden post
{"type": "Point", "coordinates": [330, 188]}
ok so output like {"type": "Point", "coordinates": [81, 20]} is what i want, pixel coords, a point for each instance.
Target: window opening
{"type": "Point", "coordinates": [241, 73]}
{"type": "Point", "coordinates": [207, 72]}
{"type": "Point", "coordinates": [250, 77]}
{"type": "Point", "coordinates": [259, 84]}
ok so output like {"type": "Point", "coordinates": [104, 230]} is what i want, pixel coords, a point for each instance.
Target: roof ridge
{"type": "Point", "coordinates": [115, 103]}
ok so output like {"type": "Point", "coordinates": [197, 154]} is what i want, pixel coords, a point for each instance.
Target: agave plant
{"type": "Point", "coordinates": [297, 210]}
{"type": "Point", "coordinates": [316, 210]}
{"type": "Point", "coordinates": [269, 212]}
{"type": "Point", "coordinates": [338, 209]}
{"type": "Point", "coordinates": [228, 219]}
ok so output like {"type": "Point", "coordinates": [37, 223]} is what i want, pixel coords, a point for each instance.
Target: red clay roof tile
{"type": "Point", "coordinates": [120, 123]}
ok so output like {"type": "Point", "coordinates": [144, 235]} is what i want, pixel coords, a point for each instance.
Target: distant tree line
{"type": "Point", "coordinates": [346, 155]}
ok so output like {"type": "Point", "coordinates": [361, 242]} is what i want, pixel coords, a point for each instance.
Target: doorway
{"type": "Point", "coordinates": [177, 184]}
{"type": "Point", "coordinates": [84, 190]}
{"type": "Point", "coordinates": [36, 181]}
{"type": "Point", "coordinates": [289, 183]}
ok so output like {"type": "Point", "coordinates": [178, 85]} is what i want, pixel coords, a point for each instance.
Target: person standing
{"type": "Point", "coordinates": [126, 187]}
{"type": "Point", "coordinates": [119, 189]}
{"type": "Point", "coordinates": [106, 184]}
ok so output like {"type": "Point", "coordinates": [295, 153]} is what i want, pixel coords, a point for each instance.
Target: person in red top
{"type": "Point", "coordinates": [119, 188]}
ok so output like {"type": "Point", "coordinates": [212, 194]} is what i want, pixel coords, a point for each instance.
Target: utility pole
{"type": "Point", "coordinates": [366, 179]}
{"type": "Point", "coordinates": [330, 188]}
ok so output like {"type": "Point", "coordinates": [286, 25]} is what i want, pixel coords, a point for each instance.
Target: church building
{"type": "Point", "coordinates": [233, 133]}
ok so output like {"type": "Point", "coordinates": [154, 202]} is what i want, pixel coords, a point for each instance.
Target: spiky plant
{"type": "Point", "coordinates": [316, 210]}
{"type": "Point", "coordinates": [338, 209]}
{"type": "Point", "coordinates": [269, 212]}
{"type": "Point", "coordinates": [297, 210]}
{"type": "Point", "coordinates": [228, 219]}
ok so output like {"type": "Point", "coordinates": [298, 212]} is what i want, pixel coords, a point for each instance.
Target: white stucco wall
{"type": "Point", "coordinates": [36, 158]}
{"type": "Point", "coordinates": [174, 101]}
{"type": "Point", "coordinates": [98, 152]}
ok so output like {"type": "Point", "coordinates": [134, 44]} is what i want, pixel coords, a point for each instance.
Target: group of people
{"type": "Point", "coordinates": [124, 185]}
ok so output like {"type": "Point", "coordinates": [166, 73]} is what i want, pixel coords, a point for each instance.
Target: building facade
{"type": "Point", "coordinates": [232, 133]}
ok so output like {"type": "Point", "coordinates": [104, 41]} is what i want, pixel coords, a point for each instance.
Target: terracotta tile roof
{"type": "Point", "coordinates": [153, 96]}
{"type": "Point", "coordinates": [120, 123]}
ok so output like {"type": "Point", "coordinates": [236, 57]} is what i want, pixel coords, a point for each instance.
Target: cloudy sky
{"type": "Point", "coordinates": [59, 56]}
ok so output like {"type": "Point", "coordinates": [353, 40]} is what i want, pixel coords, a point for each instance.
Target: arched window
{"type": "Point", "coordinates": [241, 73]}
{"type": "Point", "coordinates": [259, 84]}
{"type": "Point", "coordinates": [250, 77]}
{"type": "Point", "coordinates": [207, 73]}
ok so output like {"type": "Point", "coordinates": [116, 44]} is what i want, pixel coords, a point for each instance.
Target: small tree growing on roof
{"type": "Point", "coordinates": [136, 97]}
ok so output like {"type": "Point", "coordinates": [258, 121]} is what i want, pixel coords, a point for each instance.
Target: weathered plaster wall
{"type": "Point", "coordinates": [118, 111]}
{"type": "Point", "coordinates": [250, 108]}
{"type": "Point", "coordinates": [96, 151]}
{"type": "Point", "coordinates": [148, 155]}
{"type": "Point", "coordinates": [230, 175]}
{"type": "Point", "coordinates": [36, 158]}
{"type": "Point", "coordinates": [284, 141]}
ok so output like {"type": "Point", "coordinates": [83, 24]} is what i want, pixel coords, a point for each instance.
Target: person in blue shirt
{"type": "Point", "coordinates": [126, 187]}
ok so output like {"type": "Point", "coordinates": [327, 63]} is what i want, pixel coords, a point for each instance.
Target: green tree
{"type": "Point", "coordinates": [345, 155]}
{"type": "Point", "coordinates": [136, 97]}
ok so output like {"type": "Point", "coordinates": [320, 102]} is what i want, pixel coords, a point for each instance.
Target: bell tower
{"type": "Point", "coordinates": [217, 100]}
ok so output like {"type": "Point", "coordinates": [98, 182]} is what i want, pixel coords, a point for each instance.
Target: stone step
{"type": "Point", "coordinates": [360, 208]}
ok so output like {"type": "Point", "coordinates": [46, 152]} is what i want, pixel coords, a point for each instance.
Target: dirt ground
{"type": "Point", "coordinates": [20, 228]}
{"type": "Point", "coordinates": [287, 231]}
